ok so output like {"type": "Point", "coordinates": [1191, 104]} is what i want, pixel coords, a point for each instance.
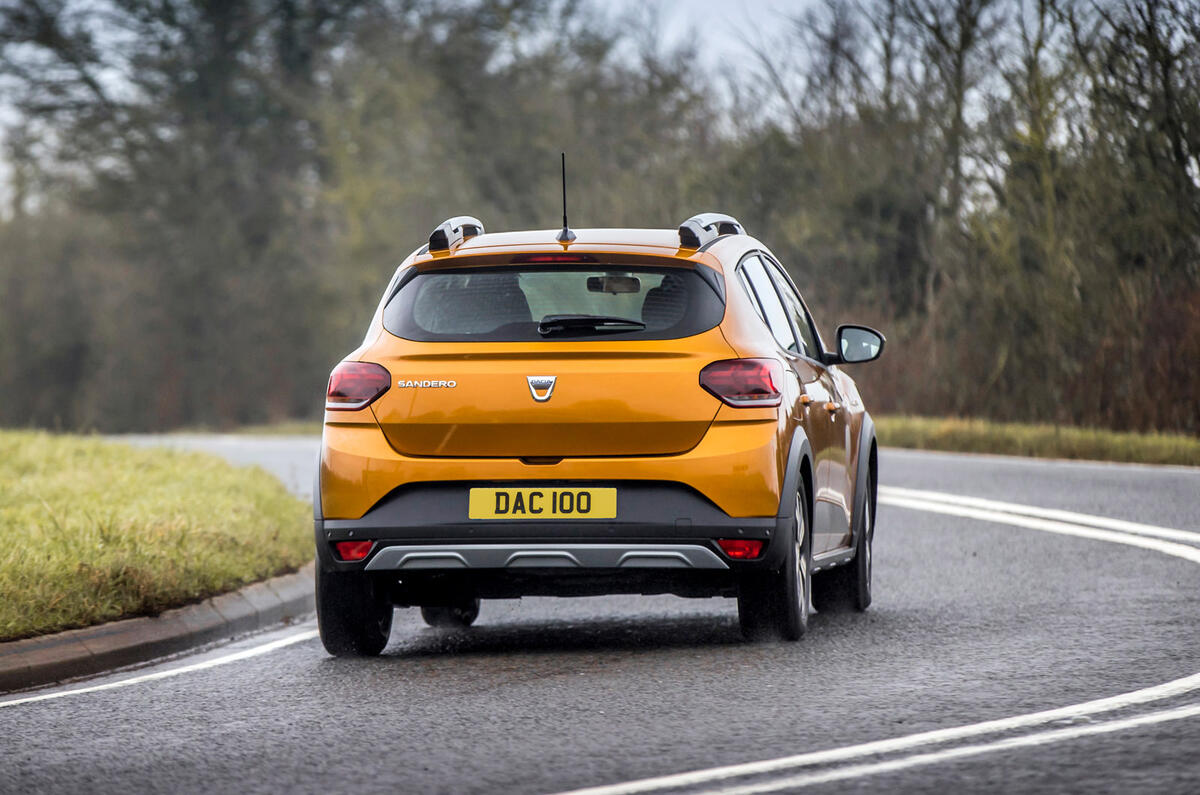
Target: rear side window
{"type": "Point", "coordinates": [803, 324]}
{"type": "Point", "coordinates": [538, 303]}
{"type": "Point", "coordinates": [768, 301]}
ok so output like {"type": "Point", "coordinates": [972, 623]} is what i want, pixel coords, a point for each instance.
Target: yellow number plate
{"type": "Point", "coordinates": [543, 503]}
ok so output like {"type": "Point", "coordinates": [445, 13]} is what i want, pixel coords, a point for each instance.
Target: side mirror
{"type": "Point", "coordinates": [856, 344]}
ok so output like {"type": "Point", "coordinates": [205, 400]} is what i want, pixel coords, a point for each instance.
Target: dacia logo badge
{"type": "Point", "coordinates": [541, 386]}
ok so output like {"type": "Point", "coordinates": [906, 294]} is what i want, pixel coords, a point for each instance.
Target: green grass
{"type": "Point", "coordinates": [92, 531]}
{"type": "Point", "coordinates": [284, 428]}
{"type": "Point", "coordinates": [1038, 441]}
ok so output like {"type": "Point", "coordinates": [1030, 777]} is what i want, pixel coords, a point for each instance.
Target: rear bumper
{"type": "Point", "coordinates": [424, 527]}
{"type": "Point", "coordinates": [671, 510]}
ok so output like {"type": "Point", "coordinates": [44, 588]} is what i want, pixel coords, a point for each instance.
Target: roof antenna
{"type": "Point", "coordinates": [566, 235]}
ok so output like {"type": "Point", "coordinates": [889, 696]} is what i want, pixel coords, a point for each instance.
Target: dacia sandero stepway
{"type": "Point", "coordinates": [593, 411]}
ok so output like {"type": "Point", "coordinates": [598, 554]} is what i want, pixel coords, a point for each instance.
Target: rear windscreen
{"type": "Point", "coordinates": [537, 303]}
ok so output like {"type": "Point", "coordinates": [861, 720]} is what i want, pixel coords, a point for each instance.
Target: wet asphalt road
{"type": "Point", "coordinates": [972, 621]}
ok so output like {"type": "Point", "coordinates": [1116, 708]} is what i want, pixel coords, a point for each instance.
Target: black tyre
{"type": "Point", "coordinates": [774, 604]}
{"type": "Point", "coordinates": [354, 621]}
{"type": "Point", "coordinates": [849, 586]}
{"type": "Point", "coordinates": [458, 616]}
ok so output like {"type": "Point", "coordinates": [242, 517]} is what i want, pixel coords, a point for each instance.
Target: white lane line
{"type": "Point", "coordinates": [1166, 690]}
{"type": "Point", "coordinates": [962, 752]}
{"type": "Point", "coordinates": [245, 654]}
{"type": "Point", "coordinates": [1048, 526]}
{"type": "Point", "coordinates": [1147, 695]}
{"type": "Point", "coordinates": [1045, 513]}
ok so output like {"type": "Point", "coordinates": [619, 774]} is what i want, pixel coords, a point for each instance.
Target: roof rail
{"type": "Point", "coordinates": [453, 231]}
{"type": "Point", "coordinates": [706, 227]}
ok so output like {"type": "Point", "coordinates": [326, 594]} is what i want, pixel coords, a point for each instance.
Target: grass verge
{"type": "Point", "coordinates": [92, 531]}
{"type": "Point", "coordinates": [1038, 441]}
{"type": "Point", "coordinates": [281, 428]}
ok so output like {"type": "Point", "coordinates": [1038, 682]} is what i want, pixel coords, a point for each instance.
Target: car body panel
{"type": "Point", "coordinates": [830, 433]}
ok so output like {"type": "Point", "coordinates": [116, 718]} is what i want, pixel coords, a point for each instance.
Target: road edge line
{"type": "Point", "coordinates": [1055, 514]}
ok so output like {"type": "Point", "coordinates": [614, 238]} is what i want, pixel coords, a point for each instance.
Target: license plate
{"type": "Point", "coordinates": [542, 503]}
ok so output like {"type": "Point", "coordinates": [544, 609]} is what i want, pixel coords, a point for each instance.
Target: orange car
{"type": "Point", "coordinates": [595, 411]}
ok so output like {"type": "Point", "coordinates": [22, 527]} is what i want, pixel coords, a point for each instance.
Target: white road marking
{"type": "Point", "coordinates": [1136, 528]}
{"type": "Point", "coordinates": [245, 654]}
{"type": "Point", "coordinates": [1166, 690]}
{"type": "Point", "coordinates": [1048, 526]}
{"type": "Point", "coordinates": [962, 752]}
{"type": "Point", "coordinates": [949, 504]}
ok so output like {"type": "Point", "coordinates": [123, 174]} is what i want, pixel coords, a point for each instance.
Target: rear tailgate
{"type": "Point", "coordinates": [608, 398]}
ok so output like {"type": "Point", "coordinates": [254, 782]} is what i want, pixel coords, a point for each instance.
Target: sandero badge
{"type": "Point", "coordinates": [427, 384]}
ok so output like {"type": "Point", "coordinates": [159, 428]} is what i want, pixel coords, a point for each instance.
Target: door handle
{"type": "Point", "coordinates": [832, 407]}
{"type": "Point", "coordinates": [805, 400]}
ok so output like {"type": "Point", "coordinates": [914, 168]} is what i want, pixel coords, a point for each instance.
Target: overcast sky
{"type": "Point", "coordinates": [721, 24]}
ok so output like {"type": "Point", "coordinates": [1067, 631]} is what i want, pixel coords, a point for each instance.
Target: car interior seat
{"type": "Point", "coordinates": [665, 305]}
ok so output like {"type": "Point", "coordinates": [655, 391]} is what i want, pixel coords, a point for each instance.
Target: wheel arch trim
{"type": "Point", "coordinates": [867, 448]}
{"type": "Point", "coordinates": [799, 452]}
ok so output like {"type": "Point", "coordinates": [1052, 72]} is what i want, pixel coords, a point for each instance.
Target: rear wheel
{"type": "Point", "coordinates": [849, 586]}
{"type": "Point", "coordinates": [354, 621]}
{"type": "Point", "coordinates": [457, 616]}
{"type": "Point", "coordinates": [775, 603]}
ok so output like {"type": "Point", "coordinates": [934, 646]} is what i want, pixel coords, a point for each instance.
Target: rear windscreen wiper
{"type": "Point", "coordinates": [554, 324]}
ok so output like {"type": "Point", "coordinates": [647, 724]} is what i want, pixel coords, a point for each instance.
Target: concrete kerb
{"type": "Point", "coordinates": [83, 652]}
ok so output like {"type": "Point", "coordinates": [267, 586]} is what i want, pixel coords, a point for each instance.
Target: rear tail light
{"type": "Point", "coordinates": [740, 548]}
{"type": "Point", "coordinates": [353, 550]}
{"type": "Point", "coordinates": [744, 383]}
{"type": "Point", "coordinates": [354, 385]}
